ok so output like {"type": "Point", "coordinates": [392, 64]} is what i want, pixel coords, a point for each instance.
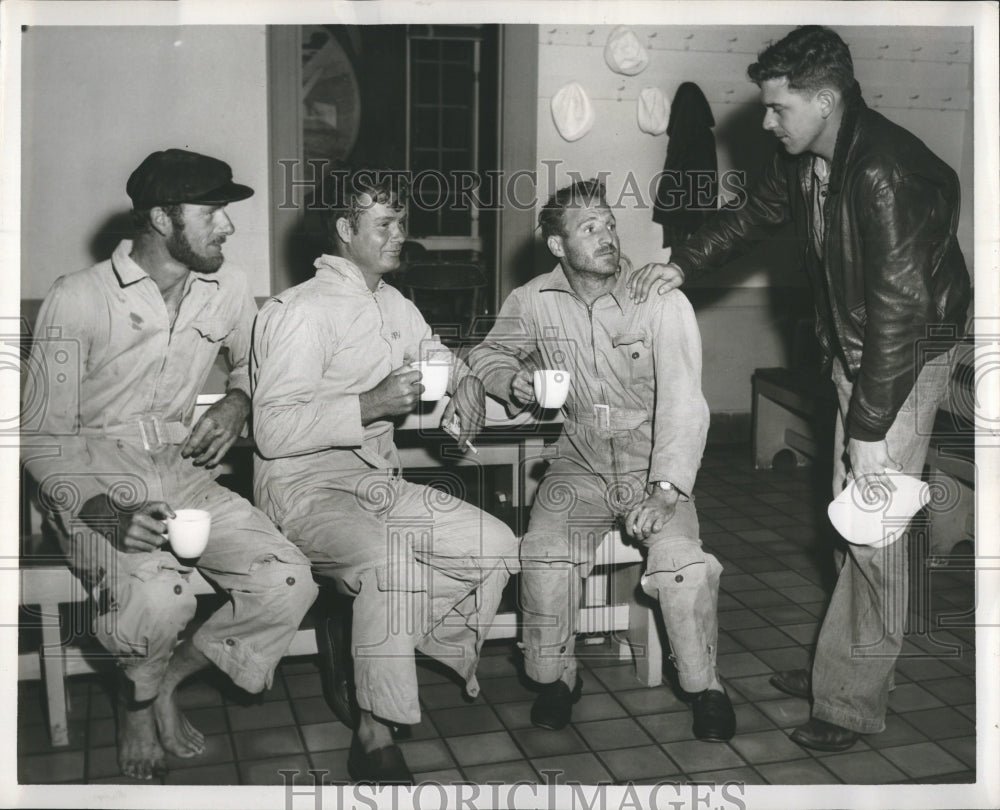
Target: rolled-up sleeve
{"type": "Point", "coordinates": [680, 426]}
{"type": "Point", "coordinates": [295, 410]}
{"type": "Point", "coordinates": [508, 346]}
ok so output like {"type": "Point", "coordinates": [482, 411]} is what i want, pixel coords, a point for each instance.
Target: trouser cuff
{"type": "Point", "coordinates": [246, 669]}
{"type": "Point", "coordinates": [847, 719]}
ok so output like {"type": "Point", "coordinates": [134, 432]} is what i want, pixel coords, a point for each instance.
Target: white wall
{"type": "Point", "coordinates": [917, 77]}
{"type": "Point", "coordinates": [97, 100]}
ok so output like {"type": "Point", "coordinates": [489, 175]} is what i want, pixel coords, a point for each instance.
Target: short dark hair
{"type": "Point", "coordinates": [552, 219]}
{"type": "Point", "coordinates": [382, 186]}
{"type": "Point", "coordinates": [810, 57]}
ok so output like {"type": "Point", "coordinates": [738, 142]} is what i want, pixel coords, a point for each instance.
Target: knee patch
{"type": "Point", "coordinates": [679, 566]}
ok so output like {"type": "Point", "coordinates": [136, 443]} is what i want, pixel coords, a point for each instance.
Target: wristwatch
{"type": "Point", "coordinates": [666, 486]}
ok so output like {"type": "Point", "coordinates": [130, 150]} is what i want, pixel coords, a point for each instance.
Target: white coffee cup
{"type": "Point", "coordinates": [188, 532]}
{"type": "Point", "coordinates": [434, 375]}
{"type": "Point", "coordinates": [551, 387]}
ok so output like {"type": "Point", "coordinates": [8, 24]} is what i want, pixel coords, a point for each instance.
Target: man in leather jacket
{"type": "Point", "coordinates": [876, 212]}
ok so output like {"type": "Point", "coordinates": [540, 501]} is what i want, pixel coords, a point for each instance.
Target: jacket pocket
{"type": "Point", "coordinates": [214, 330]}
{"type": "Point", "coordinates": [859, 313]}
{"type": "Point", "coordinates": [635, 353]}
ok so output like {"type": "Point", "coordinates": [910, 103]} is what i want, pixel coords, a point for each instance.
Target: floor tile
{"type": "Point", "coordinates": [754, 687]}
{"type": "Point", "coordinates": [668, 726]}
{"type": "Point", "coordinates": [326, 736]}
{"type": "Point", "coordinates": [897, 732]}
{"type": "Point", "coordinates": [696, 755]}
{"type": "Point", "coordinates": [218, 748]}
{"type": "Point", "coordinates": [799, 772]}
{"type": "Point", "coordinates": [741, 776]}
{"type": "Point", "coordinates": [465, 720]}
{"type": "Point", "coordinates": [445, 776]}
{"type": "Point", "coordinates": [479, 749]}
{"type": "Point", "coordinates": [263, 715]}
{"type": "Point", "coordinates": [617, 678]}
{"type": "Point", "coordinates": [735, 665]}
{"type": "Point", "coordinates": [922, 759]}
{"type": "Point", "coordinates": [541, 742]}
{"type": "Point", "coordinates": [782, 615]}
{"type": "Point", "coordinates": [762, 638]}
{"type": "Point", "coordinates": [426, 755]}
{"type": "Point", "coordinates": [222, 773]}
{"type": "Point", "coordinates": [447, 695]}
{"type": "Point", "coordinates": [334, 763]}
{"type": "Point", "coordinates": [497, 666]}
{"type": "Point", "coordinates": [47, 769]}
{"type": "Point", "coordinates": [102, 762]}
{"type": "Point", "coordinates": [740, 619]}
{"type": "Point", "coordinates": [963, 748]}
{"type": "Point", "coordinates": [941, 723]}
{"type": "Point", "coordinates": [909, 697]}
{"type": "Point", "coordinates": [863, 768]}
{"type": "Point", "coordinates": [501, 690]}
{"type": "Point", "coordinates": [600, 706]}
{"type": "Point", "coordinates": [785, 658]}
{"type": "Point", "coordinates": [266, 742]}
{"type": "Point", "coordinates": [749, 718]}
{"type": "Point", "coordinates": [507, 773]}
{"type": "Point", "coordinates": [651, 700]}
{"type": "Point", "coordinates": [787, 712]}
{"type": "Point", "coordinates": [640, 762]}
{"type": "Point", "coordinates": [312, 710]}
{"type": "Point", "coordinates": [582, 768]}
{"type": "Point", "coordinates": [197, 694]}
{"type": "Point", "coordinates": [953, 691]}
{"type": "Point", "coordinates": [307, 685]}
{"type": "Point", "coordinates": [516, 714]}
{"type": "Point", "coordinates": [268, 771]}
{"type": "Point", "coordinates": [606, 734]}
{"type": "Point", "coordinates": [766, 746]}
{"type": "Point", "coordinates": [735, 583]}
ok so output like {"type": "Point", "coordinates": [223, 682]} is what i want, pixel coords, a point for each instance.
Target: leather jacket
{"type": "Point", "coordinates": [892, 290]}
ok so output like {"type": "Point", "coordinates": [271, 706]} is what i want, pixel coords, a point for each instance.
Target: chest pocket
{"type": "Point", "coordinates": [214, 330]}
{"type": "Point", "coordinates": [634, 352]}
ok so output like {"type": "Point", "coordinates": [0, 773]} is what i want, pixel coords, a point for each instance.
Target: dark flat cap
{"type": "Point", "coordinates": [177, 176]}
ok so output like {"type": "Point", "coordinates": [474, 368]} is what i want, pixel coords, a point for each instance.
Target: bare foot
{"type": "Point", "coordinates": [177, 734]}
{"type": "Point", "coordinates": [140, 754]}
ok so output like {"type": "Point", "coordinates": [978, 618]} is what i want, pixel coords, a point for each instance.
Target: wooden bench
{"type": "Point", "coordinates": [46, 584]}
{"type": "Point", "coordinates": [786, 406]}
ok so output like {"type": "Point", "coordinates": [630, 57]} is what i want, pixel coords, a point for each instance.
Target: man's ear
{"type": "Point", "coordinates": [555, 245]}
{"type": "Point", "coordinates": [160, 221]}
{"type": "Point", "coordinates": [344, 230]}
{"type": "Point", "coordinates": [827, 99]}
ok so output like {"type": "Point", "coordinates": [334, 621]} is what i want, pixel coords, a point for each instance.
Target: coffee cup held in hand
{"type": "Point", "coordinates": [434, 375]}
{"type": "Point", "coordinates": [551, 387]}
{"type": "Point", "coordinates": [188, 532]}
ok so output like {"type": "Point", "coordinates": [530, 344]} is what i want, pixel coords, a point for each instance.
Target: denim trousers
{"type": "Point", "coordinates": [573, 510]}
{"type": "Point", "coordinates": [862, 632]}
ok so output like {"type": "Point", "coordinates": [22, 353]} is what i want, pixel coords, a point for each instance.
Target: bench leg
{"type": "Point", "coordinates": [642, 634]}
{"type": "Point", "coordinates": [54, 674]}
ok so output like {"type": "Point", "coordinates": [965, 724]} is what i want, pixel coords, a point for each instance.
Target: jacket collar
{"type": "Point", "coordinates": [128, 272]}
{"type": "Point", "coordinates": [337, 268]}
{"type": "Point", "coordinates": [855, 106]}
{"type": "Point", "coordinates": [556, 281]}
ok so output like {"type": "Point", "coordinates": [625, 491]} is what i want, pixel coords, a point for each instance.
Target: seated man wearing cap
{"type": "Point", "coordinates": [114, 453]}
{"type": "Point", "coordinates": [330, 373]}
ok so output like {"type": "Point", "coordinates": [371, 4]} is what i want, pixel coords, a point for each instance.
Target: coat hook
{"type": "Point", "coordinates": [689, 36]}
{"type": "Point", "coordinates": [953, 53]}
{"type": "Point", "coordinates": [914, 98]}
{"type": "Point", "coordinates": [620, 91]}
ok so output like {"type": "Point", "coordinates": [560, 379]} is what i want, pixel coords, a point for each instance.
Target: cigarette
{"type": "Point", "coordinates": [451, 430]}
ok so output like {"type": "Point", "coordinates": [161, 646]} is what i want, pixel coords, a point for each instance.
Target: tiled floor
{"type": "Point", "coordinates": [764, 526]}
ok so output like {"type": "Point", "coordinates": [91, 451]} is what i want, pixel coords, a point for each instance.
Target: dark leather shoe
{"type": "Point", "coordinates": [554, 706]}
{"type": "Point", "coordinates": [383, 766]}
{"type": "Point", "coordinates": [714, 718]}
{"type": "Point", "coordinates": [794, 682]}
{"type": "Point", "coordinates": [823, 736]}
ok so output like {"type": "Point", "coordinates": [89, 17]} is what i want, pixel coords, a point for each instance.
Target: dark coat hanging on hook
{"type": "Point", "coordinates": [689, 186]}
